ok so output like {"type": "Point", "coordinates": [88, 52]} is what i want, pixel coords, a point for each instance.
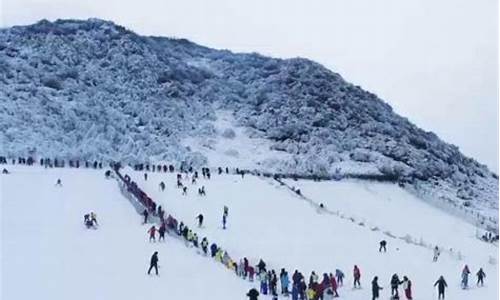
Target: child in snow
{"type": "Point", "coordinates": [152, 232]}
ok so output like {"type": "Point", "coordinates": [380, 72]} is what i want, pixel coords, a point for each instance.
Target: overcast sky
{"type": "Point", "coordinates": [434, 61]}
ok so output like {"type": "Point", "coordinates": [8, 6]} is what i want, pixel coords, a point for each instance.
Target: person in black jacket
{"type": "Point", "coordinates": [441, 284]}
{"type": "Point", "coordinates": [480, 276]}
{"type": "Point", "coordinates": [375, 288]}
{"type": "Point", "coordinates": [145, 214]}
{"type": "Point", "coordinates": [383, 244]}
{"type": "Point", "coordinates": [154, 263]}
{"type": "Point", "coordinates": [395, 282]}
{"type": "Point", "coordinates": [253, 294]}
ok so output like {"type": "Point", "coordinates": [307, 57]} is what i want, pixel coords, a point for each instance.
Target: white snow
{"type": "Point", "coordinates": [48, 254]}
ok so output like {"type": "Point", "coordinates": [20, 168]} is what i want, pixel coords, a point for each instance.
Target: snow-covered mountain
{"type": "Point", "coordinates": [94, 90]}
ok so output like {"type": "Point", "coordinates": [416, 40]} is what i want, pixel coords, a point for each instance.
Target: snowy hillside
{"type": "Point", "coordinates": [94, 90]}
{"type": "Point", "coordinates": [46, 247]}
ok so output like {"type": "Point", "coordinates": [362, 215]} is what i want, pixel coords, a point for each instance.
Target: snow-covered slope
{"type": "Point", "coordinates": [91, 89]}
{"type": "Point", "coordinates": [46, 248]}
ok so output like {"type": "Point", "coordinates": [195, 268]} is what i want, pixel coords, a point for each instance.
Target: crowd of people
{"type": "Point", "coordinates": [272, 283]}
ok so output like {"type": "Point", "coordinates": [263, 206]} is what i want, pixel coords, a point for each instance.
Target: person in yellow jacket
{"type": "Point", "coordinates": [310, 293]}
{"type": "Point", "coordinates": [218, 255]}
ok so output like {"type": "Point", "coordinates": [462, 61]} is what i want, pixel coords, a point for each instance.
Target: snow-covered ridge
{"type": "Point", "coordinates": [94, 90]}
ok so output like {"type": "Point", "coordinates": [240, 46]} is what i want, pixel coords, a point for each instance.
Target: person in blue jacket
{"type": "Point", "coordinates": [213, 249]}
{"type": "Point", "coordinates": [285, 281]}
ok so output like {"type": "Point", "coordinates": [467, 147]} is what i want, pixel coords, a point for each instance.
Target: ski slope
{"type": "Point", "coordinates": [45, 246]}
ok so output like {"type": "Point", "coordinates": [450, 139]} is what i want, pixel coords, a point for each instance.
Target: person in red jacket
{"type": "Point", "coordinates": [357, 277]}
{"type": "Point", "coordinates": [152, 233]}
{"type": "Point", "coordinates": [333, 284]}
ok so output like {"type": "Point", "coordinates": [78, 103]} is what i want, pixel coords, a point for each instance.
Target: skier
{"type": "Point", "coordinates": [465, 277]}
{"type": "Point", "coordinates": [58, 183]}
{"type": "Point", "coordinates": [152, 232]}
{"type": "Point", "coordinates": [184, 190]}
{"type": "Point", "coordinates": [383, 244]}
{"type": "Point", "coordinates": [395, 282]}
{"type": "Point", "coordinates": [407, 287]}
{"type": "Point", "coordinates": [357, 276]}
{"type": "Point", "coordinates": [200, 220]}
{"type": "Point", "coordinates": [161, 231]}
{"type": "Point", "coordinates": [480, 276]}
{"type": "Point", "coordinates": [436, 254]}
{"type": "Point", "coordinates": [253, 294]}
{"type": "Point", "coordinates": [162, 186]}
{"type": "Point", "coordinates": [340, 277]}
{"type": "Point", "coordinates": [441, 284]}
{"type": "Point", "coordinates": [154, 263]}
{"type": "Point", "coordinates": [375, 288]}
{"type": "Point", "coordinates": [224, 220]}
{"type": "Point", "coordinates": [145, 214]}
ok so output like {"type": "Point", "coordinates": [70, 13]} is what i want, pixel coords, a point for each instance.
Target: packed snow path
{"type": "Point", "coordinates": [47, 248]}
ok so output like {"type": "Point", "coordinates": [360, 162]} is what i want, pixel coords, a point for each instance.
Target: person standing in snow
{"type": "Point", "coordinates": [375, 288]}
{"type": "Point", "coordinates": [224, 220]}
{"type": "Point", "coordinates": [145, 176]}
{"type": "Point", "coordinates": [334, 285]}
{"type": "Point", "coordinates": [204, 245]}
{"type": "Point", "coordinates": [162, 186]}
{"type": "Point", "coordinates": [200, 220]}
{"type": "Point", "coordinates": [441, 284]}
{"type": "Point", "coordinates": [58, 183]}
{"type": "Point", "coordinates": [436, 254]}
{"type": "Point", "coordinates": [407, 287]}
{"type": "Point", "coordinates": [263, 282]}
{"type": "Point", "coordinates": [154, 263]}
{"type": "Point", "coordinates": [340, 277]}
{"type": "Point", "coordinates": [465, 277]}
{"type": "Point", "coordinates": [152, 232]}
{"type": "Point", "coordinates": [284, 281]}
{"type": "Point", "coordinates": [213, 249]}
{"type": "Point", "coordinates": [93, 219]}
{"type": "Point", "coordinates": [395, 282]}
{"type": "Point", "coordinates": [145, 214]}
{"type": "Point", "coordinates": [161, 231]}
{"type": "Point", "coordinates": [480, 277]}
{"type": "Point", "coordinates": [383, 245]}
{"type": "Point", "coordinates": [253, 294]}
{"type": "Point", "coordinates": [357, 276]}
